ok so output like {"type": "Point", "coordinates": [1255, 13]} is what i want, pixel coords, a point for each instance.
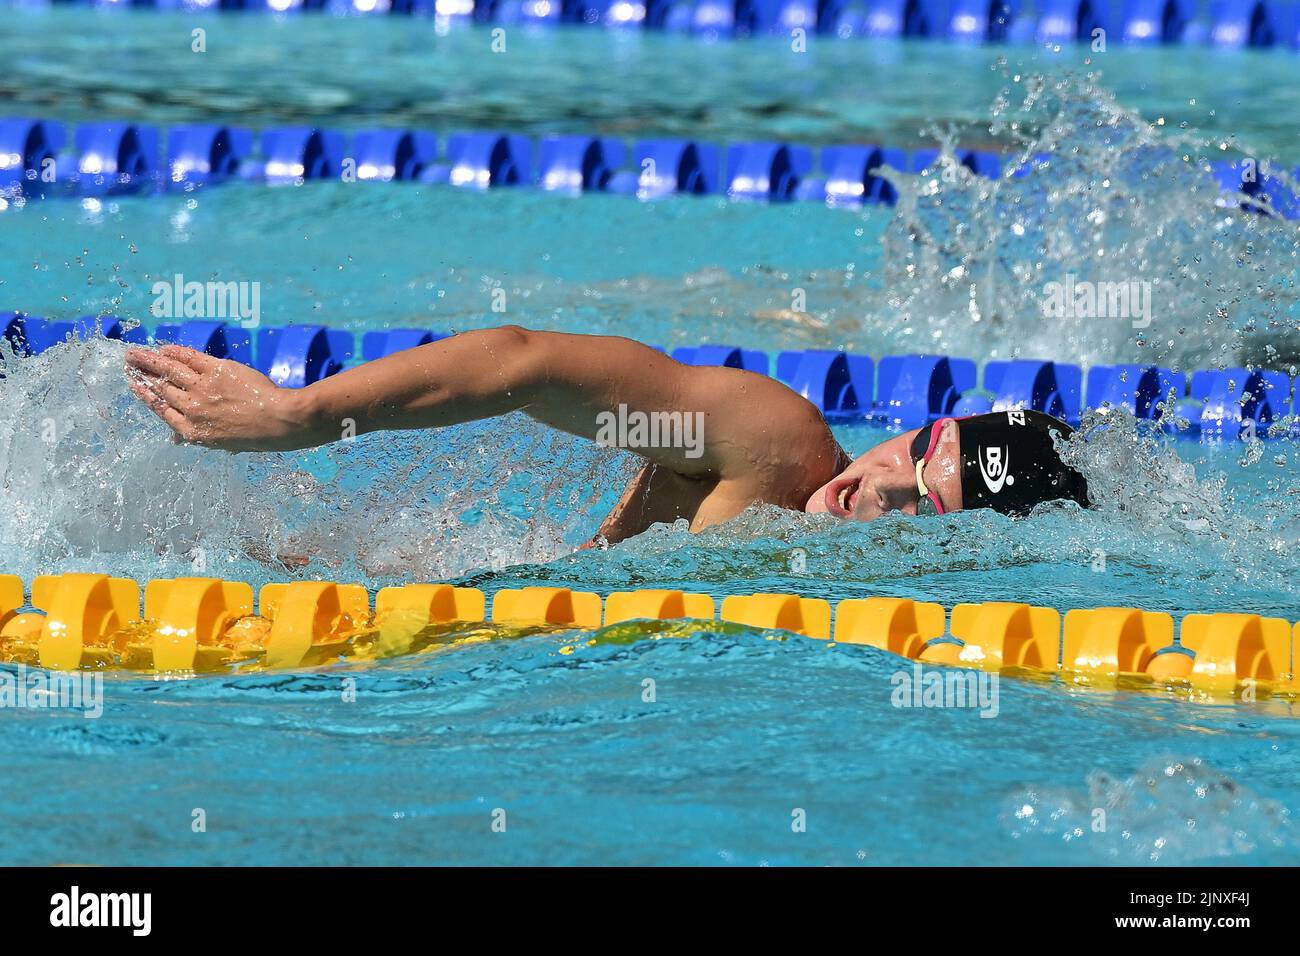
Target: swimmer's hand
{"type": "Point", "coordinates": [218, 402]}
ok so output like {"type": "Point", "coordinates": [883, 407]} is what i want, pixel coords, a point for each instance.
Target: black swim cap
{"type": "Point", "coordinates": [1008, 462]}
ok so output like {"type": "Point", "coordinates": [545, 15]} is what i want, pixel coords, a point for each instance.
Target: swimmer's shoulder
{"type": "Point", "coordinates": [791, 452]}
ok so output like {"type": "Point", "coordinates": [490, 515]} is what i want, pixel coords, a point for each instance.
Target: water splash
{"type": "Point", "coordinates": [92, 481]}
{"type": "Point", "coordinates": [77, 476]}
{"type": "Point", "coordinates": [1169, 811]}
{"type": "Point", "coordinates": [1112, 199]}
{"type": "Point", "coordinates": [1141, 489]}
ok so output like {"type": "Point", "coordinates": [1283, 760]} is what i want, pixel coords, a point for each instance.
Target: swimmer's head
{"type": "Point", "coordinates": [1004, 460]}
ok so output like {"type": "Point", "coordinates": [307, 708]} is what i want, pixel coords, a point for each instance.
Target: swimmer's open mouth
{"type": "Point", "coordinates": [842, 496]}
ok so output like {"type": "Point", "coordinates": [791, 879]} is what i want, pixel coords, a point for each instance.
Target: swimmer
{"type": "Point", "coordinates": [737, 437]}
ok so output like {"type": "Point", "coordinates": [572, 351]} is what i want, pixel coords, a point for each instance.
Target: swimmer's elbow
{"type": "Point", "coordinates": [519, 353]}
{"type": "Point", "coordinates": [495, 370]}
{"type": "Point", "coordinates": [515, 338]}
{"type": "Point", "coordinates": [525, 359]}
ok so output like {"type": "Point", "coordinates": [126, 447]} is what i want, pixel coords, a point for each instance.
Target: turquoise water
{"type": "Point", "coordinates": [80, 65]}
{"type": "Point", "coordinates": [552, 728]}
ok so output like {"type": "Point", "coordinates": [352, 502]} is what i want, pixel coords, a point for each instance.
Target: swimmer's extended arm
{"type": "Point", "coordinates": [750, 423]}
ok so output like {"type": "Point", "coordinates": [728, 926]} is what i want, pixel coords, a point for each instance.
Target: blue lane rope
{"type": "Point", "coordinates": [899, 392]}
{"type": "Point", "coordinates": [1220, 23]}
{"type": "Point", "coordinates": [119, 158]}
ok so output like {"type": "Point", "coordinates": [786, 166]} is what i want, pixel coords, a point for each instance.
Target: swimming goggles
{"type": "Point", "coordinates": [928, 502]}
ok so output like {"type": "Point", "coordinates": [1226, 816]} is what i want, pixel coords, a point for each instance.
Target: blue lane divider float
{"type": "Point", "coordinates": [206, 154]}
{"type": "Point", "coordinates": [766, 171]}
{"type": "Point", "coordinates": [665, 167]}
{"type": "Point", "coordinates": [376, 345]}
{"type": "Point", "coordinates": [1231, 402]}
{"type": "Point", "coordinates": [297, 355]}
{"type": "Point", "coordinates": [1070, 21]}
{"type": "Point", "coordinates": [914, 389]}
{"type": "Point", "coordinates": [1224, 23]}
{"type": "Point", "coordinates": [1138, 388]}
{"type": "Point", "coordinates": [115, 158]}
{"type": "Point", "coordinates": [28, 151]}
{"type": "Point", "coordinates": [851, 179]}
{"type": "Point", "coordinates": [1162, 21]}
{"type": "Point", "coordinates": [122, 158]}
{"type": "Point", "coordinates": [1246, 23]}
{"type": "Point", "coordinates": [393, 154]}
{"type": "Point", "coordinates": [578, 164]}
{"type": "Point", "coordinates": [1043, 386]}
{"type": "Point", "coordinates": [840, 384]}
{"type": "Point", "coordinates": [293, 153]}
{"type": "Point", "coordinates": [484, 161]}
{"type": "Point", "coordinates": [31, 334]}
{"type": "Point", "coordinates": [216, 338]}
{"type": "Point", "coordinates": [988, 21]}
{"type": "Point", "coordinates": [728, 356]}
{"type": "Point", "coordinates": [1264, 192]}
{"type": "Point", "coordinates": [899, 392]}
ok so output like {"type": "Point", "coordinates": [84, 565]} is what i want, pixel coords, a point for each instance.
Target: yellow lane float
{"type": "Point", "coordinates": [403, 615]}
{"type": "Point", "coordinates": [810, 617]}
{"type": "Point", "coordinates": [11, 595]}
{"type": "Point", "coordinates": [1005, 634]}
{"type": "Point", "coordinates": [1230, 648]}
{"type": "Point", "coordinates": [308, 617]}
{"type": "Point", "coordinates": [656, 605]}
{"type": "Point", "coordinates": [546, 606]}
{"type": "Point", "coordinates": [185, 623]}
{"type": "Point", "coordinates": [1110, 641]}
{"type": "Point", "coordinates": [19, 632]}
{"type": "Point", "coordinates": [897, 625]}
{"type": "Point", "coordinates": [84, 615]}
{"type": "Point", "coordinates": [431, 603]}
{"type": "Point", "coordinates": [203, 624]}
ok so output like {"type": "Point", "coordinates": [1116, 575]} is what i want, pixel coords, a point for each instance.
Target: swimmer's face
{"type": "Point", "coordinates": [884, 479]}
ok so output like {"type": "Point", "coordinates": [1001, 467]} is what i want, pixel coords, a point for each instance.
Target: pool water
{"type": "Point", "coordinates": [413, 759]}
{"type": "Point", "coordinates": [261, 70]}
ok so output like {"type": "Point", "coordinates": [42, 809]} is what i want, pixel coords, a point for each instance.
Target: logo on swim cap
{"type": "Point", "coordinates": [993, 463]}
